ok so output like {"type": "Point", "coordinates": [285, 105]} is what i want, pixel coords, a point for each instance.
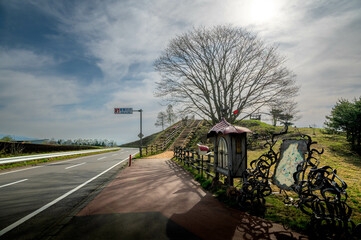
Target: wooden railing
{"type": "Point", "coordinates": [204, 164]}
{"type": "Point", "coordinates": [165, 141]}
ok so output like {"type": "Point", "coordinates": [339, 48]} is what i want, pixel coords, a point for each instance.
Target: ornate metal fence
{"type": "Point", "coordinates": [321, 193]}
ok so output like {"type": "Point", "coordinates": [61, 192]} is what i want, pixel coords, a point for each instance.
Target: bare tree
{"type": "Point", "coordinates": [285, 112]}
{"type": "Point", "coordinates": [212, 72]}
{"type": "Point", "coordinates": [161, 120]}
{"type": "Point", "coordinates": [171, 117]}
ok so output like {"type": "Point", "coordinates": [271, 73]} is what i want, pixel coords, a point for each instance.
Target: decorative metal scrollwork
{"type": "Point", "coordinates": [321, 193]}
{"type": "Point", "coordinates": [256, 185]}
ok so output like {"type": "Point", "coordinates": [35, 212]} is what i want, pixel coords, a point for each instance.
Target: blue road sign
{"type": "Point", "coordinates": [123, 110]}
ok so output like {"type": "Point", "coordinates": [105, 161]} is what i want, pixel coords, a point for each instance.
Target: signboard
{"type": "Point", "coordinates": [292, 155]}
{"type": "Point", "coordinates": [123, 110]}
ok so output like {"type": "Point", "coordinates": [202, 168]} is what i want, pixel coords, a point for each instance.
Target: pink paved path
{"type": "Point", "coordinates": [156, 199]}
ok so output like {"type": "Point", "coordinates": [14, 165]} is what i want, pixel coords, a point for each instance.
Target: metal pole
{"type": "Point", "coordinates": [141, 134]}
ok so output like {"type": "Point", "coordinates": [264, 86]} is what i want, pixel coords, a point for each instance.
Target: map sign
{"type": "Point", "coordinates": [292, 154]}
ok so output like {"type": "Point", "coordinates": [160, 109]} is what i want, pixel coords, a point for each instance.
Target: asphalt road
{"type": "Point", "coordinates": [36, 201]}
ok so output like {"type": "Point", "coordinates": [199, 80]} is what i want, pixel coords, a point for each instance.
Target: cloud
{"type": "Point", "coordinates": [32, 96]}
{"type": "Point", "coordinates": [122, 39]}
{"type": "Point", "coordinates": [23, 59]}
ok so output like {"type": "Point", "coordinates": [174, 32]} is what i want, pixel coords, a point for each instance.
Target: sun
{"type": "Point", "coordinates": [262, 11]}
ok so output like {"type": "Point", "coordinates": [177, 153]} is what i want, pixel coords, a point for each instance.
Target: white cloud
{"type": "Point", "coordinates": [31, 97]}
{"type": "Point", "coordinates": [321, 44]}
{"type": "Point", "coordinates": [23, 59]}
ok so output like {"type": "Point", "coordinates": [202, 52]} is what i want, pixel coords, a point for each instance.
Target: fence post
{"type": "Point", "coordinates": [208, 165]}
{"type": "Point", "coordinates": [183, 154]}
{"type": "Point", "coordinates": [202, 167]}
{"type": "Point", "coordinates": [191, 158]}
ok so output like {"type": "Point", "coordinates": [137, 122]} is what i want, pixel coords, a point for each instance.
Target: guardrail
{"type": "Point", "coordinates": [52, 155]}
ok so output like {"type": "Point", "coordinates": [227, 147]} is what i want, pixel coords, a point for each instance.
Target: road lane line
{"type": "Point", "coordinates": [52, 155]}
{"type": "Point", "coordinates": [115, 155]}
{"type": "Point", "coordinates": [23, 180]}
{"type": "Point", "coordinates": [20, 170]}
{"type": "Point", "coordinates": [70, 160]}
{"type": "Point", "coordinates": [101, 158]}
{"type": "Point", "coordinates": [27, 217]}
{"type": "Point", "coordinates": [75, 165]}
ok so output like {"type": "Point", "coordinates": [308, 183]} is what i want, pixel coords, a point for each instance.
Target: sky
{"type": "Point", "coordinates": [64, 65]}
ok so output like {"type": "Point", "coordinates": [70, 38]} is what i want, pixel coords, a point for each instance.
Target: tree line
{"type": "Point", "coordinates": [79, 142]}
{"type": "Point", "coordinates": [86, 142]}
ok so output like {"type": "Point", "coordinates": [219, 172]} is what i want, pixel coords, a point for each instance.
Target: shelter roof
{"type": "Point", "coordinates": [225, 128]}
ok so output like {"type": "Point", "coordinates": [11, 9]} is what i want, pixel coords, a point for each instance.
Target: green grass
{"type": "Point", "coordinates": [290, 216]}
{"type": "Point", "coordinates": [145, 141]}
{"type": "Point", "coordinates": [337, 154]}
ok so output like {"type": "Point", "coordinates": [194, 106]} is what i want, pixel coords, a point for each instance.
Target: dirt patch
{"type": "Point", "coordinates": [167, 154]}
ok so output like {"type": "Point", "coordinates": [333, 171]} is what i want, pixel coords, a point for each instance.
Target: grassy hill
{"type": "Point", "coordinates": [337, 154]}
{"type": "Point", "coordinates": [146, 140]}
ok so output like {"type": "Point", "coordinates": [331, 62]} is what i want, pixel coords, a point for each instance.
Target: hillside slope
{"type": "Point", "coordinates": [337, 154]}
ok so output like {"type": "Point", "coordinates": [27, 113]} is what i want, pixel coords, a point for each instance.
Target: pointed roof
{"type": "Point", "coordinates": [225, 127]}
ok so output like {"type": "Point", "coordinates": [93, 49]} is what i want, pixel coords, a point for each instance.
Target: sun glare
{"type": "Point", "coordinates": [262, 10]}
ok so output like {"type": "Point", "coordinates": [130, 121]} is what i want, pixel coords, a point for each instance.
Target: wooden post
{"type": "Point", "coordinates": [202, 167]}
{"type": "Point", "coordinates": [209, 166]}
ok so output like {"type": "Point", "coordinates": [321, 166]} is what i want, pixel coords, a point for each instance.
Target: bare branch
{"type": "Point", "coordinates": [206, 70]}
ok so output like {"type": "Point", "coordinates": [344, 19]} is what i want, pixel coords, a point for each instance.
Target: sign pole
{"type": "Point", "coordinates": [141, 134]}
{"type": "Point", "coordinates": [130, 111]}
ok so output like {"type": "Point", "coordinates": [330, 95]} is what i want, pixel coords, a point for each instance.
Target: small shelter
{"type": "Point", "coordinates": [230, 149]}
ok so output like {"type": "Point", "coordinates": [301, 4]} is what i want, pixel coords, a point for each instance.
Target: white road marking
{"type": "Point", "coordinates": [76, 165]}
{"type": "Point", "coordinates": [101, 158]}
{"type": "Point", "coordinates": [13, 183]}
{"type": "Point", "coordinates": [115, 155]}
{"type": "Point", "coordinates": [27, 217]}
{"type": "Point", "coordinates": [42, 156]}
{"type": "Point", "coordinates": [60, 163]}
{"type": "Point", "coordinates": [20, 170]}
